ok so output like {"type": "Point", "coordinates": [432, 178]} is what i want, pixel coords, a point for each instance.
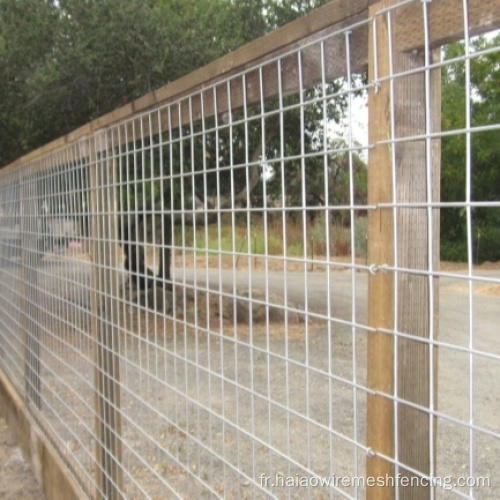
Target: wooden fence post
{"type": "Point", "coordinates": [380, 362]}
{"type": "Point", "coordinates": [105, 293]}
{"type": "Point", "coordinates": [418, 249]}
{"type": "Point", "coordinates": [416, 111]}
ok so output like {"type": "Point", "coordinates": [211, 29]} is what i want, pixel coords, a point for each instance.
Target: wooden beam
{"type": "Point", "coordinates": [416, 233]}
{"type": "Point", "coordinates": [446, 22]}
{"type": "Point", "coordinates": [104, 325]}
{"type": "Point", "coordinates": [417, 294]}
{"type": "Point", "coordinates": [380, 356]}
{"type": "Point", "coordinates": [49, 466]}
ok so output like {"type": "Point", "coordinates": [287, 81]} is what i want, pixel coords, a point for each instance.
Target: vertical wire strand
{"type": "Point", "coordinates": [396, 246]}
{"type": "Point", "coordinates": [470, 257]}
{"type": "Point", "coordinates": [353, 253]}
{"type": "Point", "coordinates": [430, 224]}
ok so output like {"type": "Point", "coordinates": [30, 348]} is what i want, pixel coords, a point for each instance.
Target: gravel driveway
{"type": "Point", "coordinates": [210, 400]}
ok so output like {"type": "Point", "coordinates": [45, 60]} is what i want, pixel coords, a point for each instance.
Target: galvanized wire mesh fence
{"type": "Point", "coordinates": [236, 291]}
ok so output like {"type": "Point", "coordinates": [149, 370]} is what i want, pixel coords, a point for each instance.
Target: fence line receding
{"type": "Point", "coordinates": [233, 287]}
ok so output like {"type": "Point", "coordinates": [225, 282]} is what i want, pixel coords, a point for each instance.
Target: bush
{"type": "Point", "coordinates": [487, 245]}
{"type": "Point", "coordinates": [361, 235]}
{"type": "Point", "coordinates": [453, 251]}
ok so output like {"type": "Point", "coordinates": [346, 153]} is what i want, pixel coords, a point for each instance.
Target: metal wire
{"type": "Point", "coordinates": [244, 373]}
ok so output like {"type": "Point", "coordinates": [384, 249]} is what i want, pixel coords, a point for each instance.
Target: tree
{"type": "Point", "coordinates": [279, 13]}
{"type": "Point", "coordinates": [91, 56]}
{"type": "Point", "coordinates": [64, 63]}
{"type": "Point", "coordinates": [484, 104]}
{"type": "Point", "coordinates": [28, 29]}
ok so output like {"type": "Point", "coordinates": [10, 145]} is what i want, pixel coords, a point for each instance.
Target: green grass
{"type": "Point", "coordinates": [288, 237]}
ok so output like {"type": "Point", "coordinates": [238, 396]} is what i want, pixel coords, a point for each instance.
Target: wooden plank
{"type": "Point", "coordinates": [50, 470]}
{"type": "Point", "coordinates": [263, 82]}
{"type": "Point", "coordinates": [446, 22]}
{"type": "Point", "coordinates": [105, 329]}
{"type": "Point", "coordinates": [416, 293]}
{"type": "Point", "coordinates": [416, 233]}
{"type": "Point", "coordinates": [380, 357]}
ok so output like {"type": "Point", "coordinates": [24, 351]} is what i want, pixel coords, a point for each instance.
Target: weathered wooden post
{"type": "Point", "coordinates": [406, 111]}
{"type": "Point", "coordinates": [105, 292]}
{"type": "Point", "coordinates": [380, 363]}
{"type": "Point", "coordinates": [418, 182]}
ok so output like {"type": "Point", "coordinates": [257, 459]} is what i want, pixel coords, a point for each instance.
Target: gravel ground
{"type": "Point", "coordinates": [17, 481]}
{"type": "Point", "coordinates": [186, 390]}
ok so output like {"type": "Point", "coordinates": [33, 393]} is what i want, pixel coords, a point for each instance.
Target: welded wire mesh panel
{"type": "Point", "coordinates": [241, 237]}
{"type": "Point", "coordinates": [57, 356]}
{"type": "Point", "coordinates": [11, 345]}
{"type": "Point", "coordinates": [248, 291]}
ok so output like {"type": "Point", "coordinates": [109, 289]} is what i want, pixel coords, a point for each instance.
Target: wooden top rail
{"type": "Point", "coordinates": [445, 25]}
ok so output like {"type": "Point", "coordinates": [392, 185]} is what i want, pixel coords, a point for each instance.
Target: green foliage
{"type": "Point", "coordinates": [487, 244]}
{"type": "Point", "coordinates": [28, 29]}
{"type": "Point", "coordinates": [470, 170]}
{"type": "Point", "coordinates": [281, 12]}
{"type": "Point", "coordinates": [67, 62]}
{"type": "Point", "coordinates": [361, 236]}
{"type": "Point", "coordinates": [453, 251]}
{"type": "Point", "coordinates": [64, 63]}
{"type": "Point", "coordinates": [229, 239]}
{"type": "Point", "coordinates": [203, 30]}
